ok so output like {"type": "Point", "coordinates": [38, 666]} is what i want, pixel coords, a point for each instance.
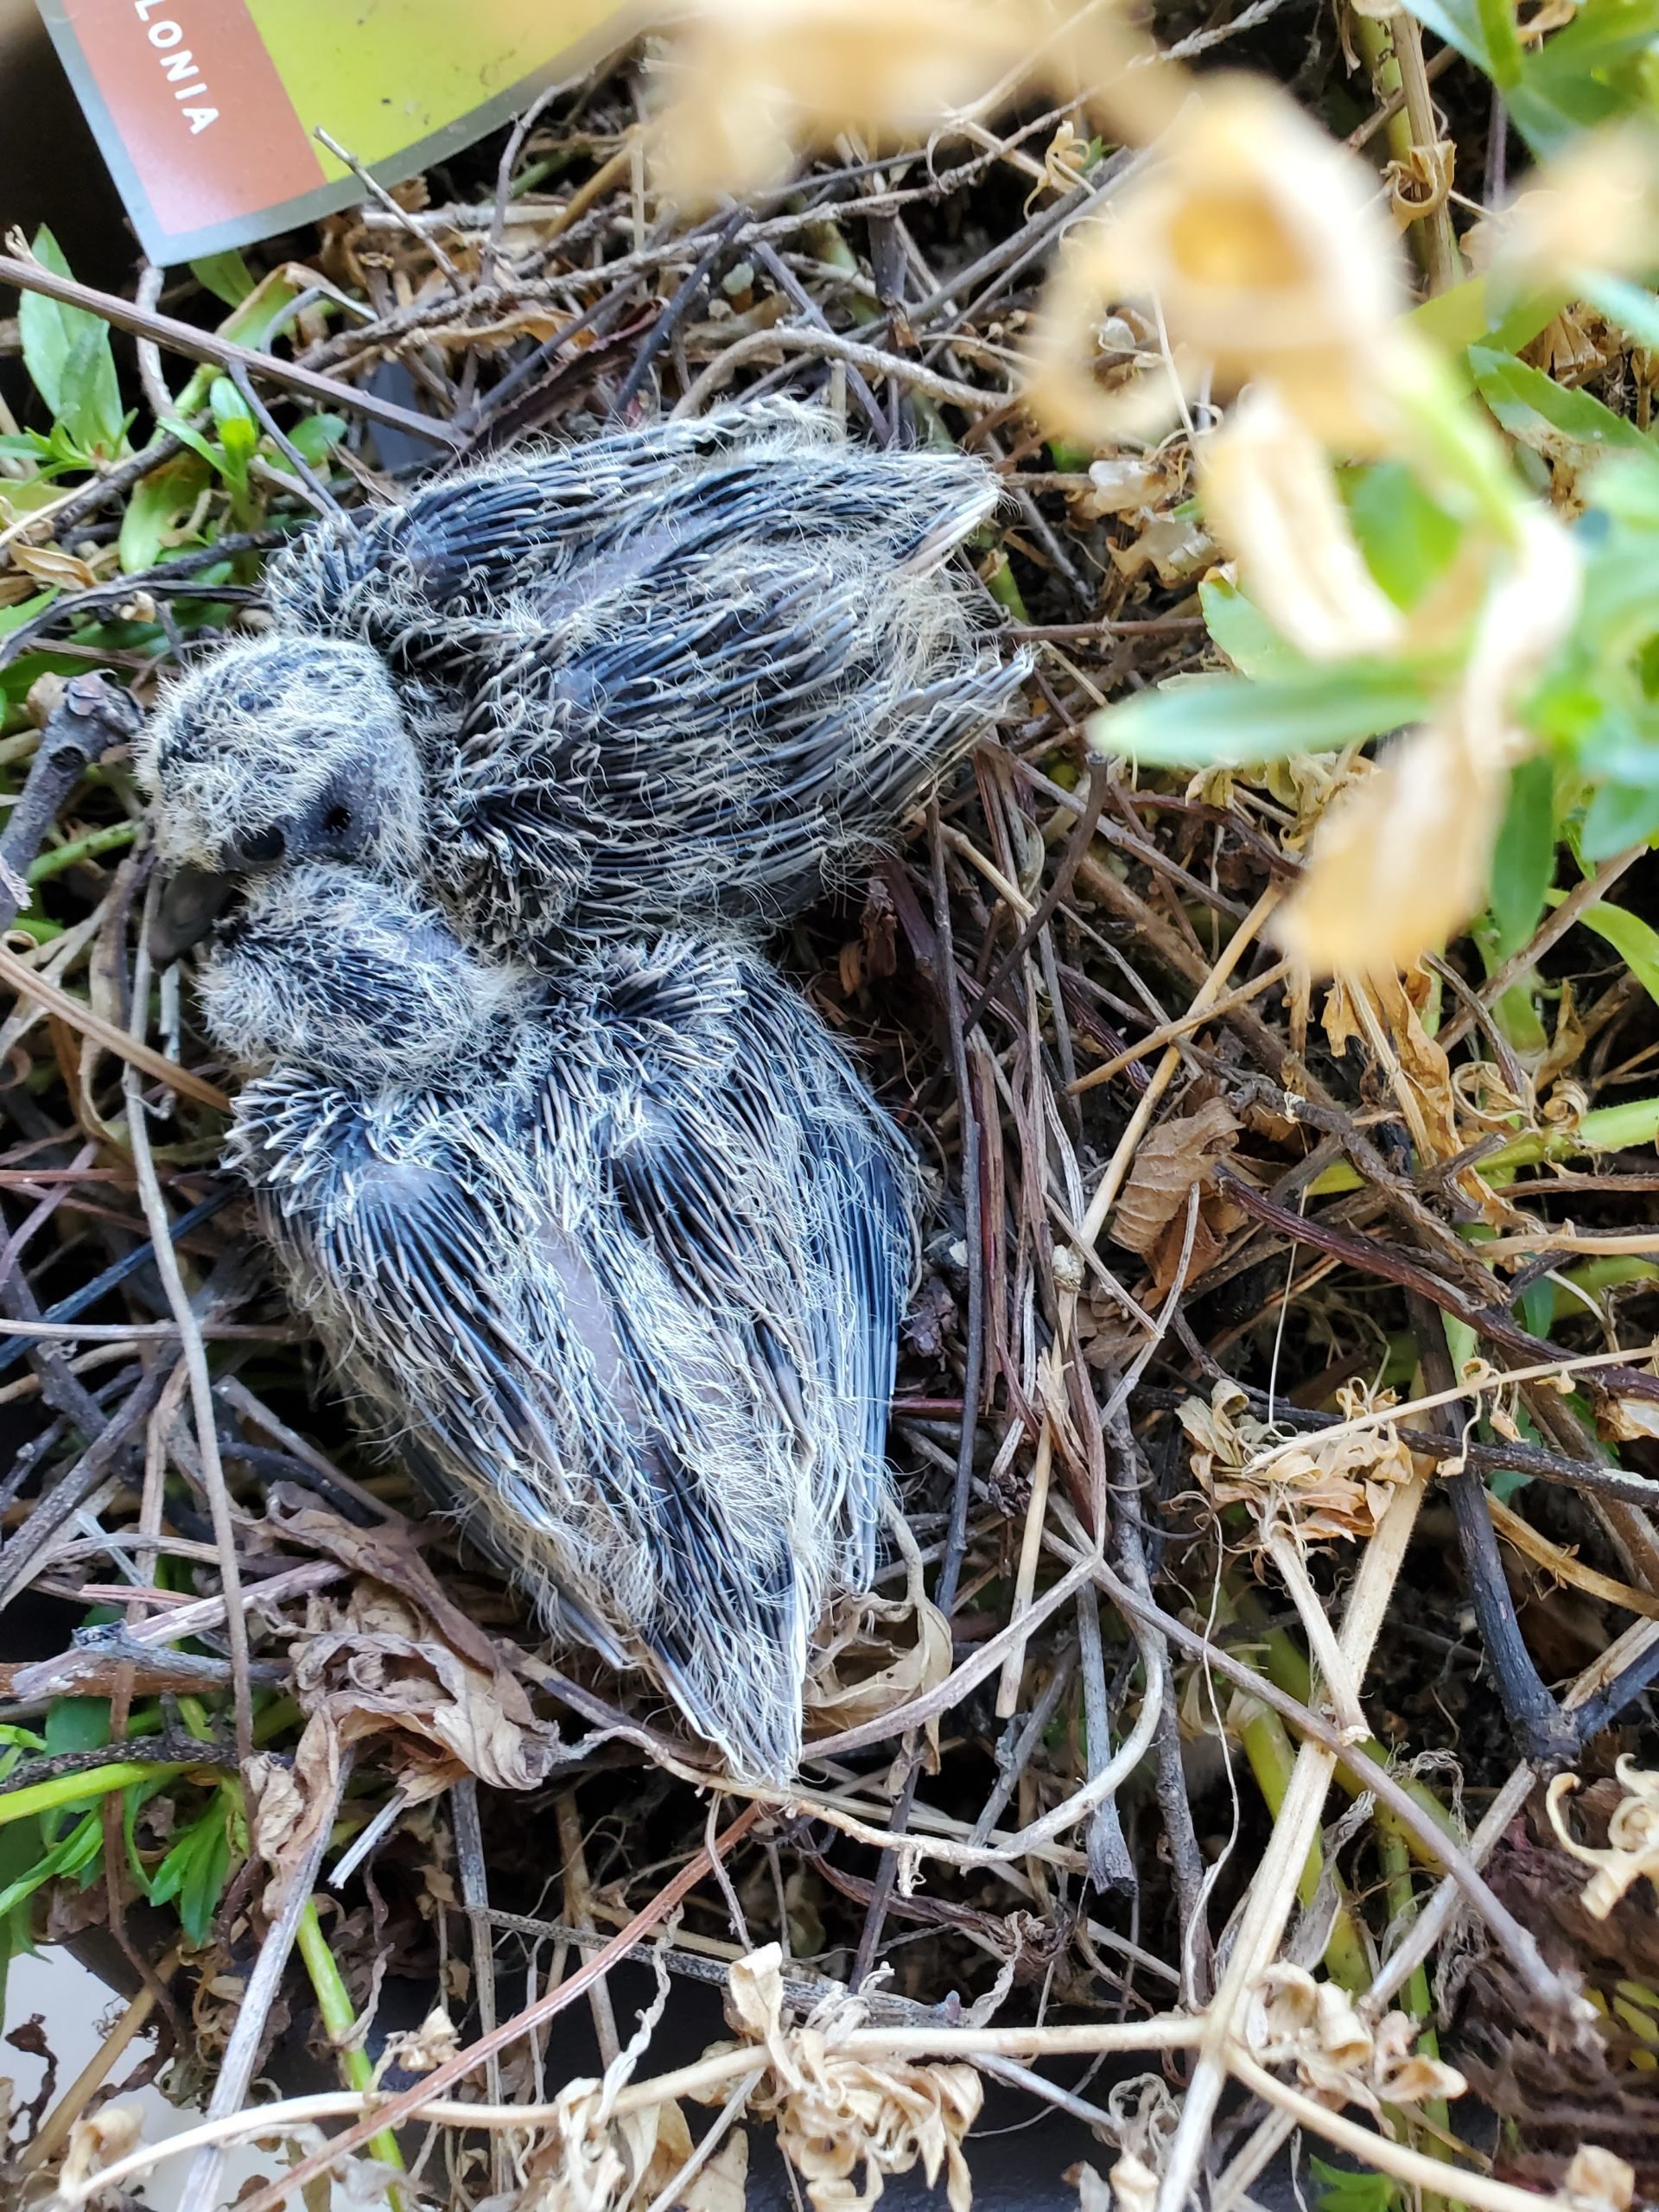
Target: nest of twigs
{"type": "Point", "coordinates": [1184, 1770]}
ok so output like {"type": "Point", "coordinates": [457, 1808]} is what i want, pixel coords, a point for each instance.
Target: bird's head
{"type": "Point", "coordinates": [276, 752]}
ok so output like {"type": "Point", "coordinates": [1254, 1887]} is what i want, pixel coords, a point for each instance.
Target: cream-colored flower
{"type": "Point", "coordinates": [1402, 862]}
{"type": "Point", "coordinates": [1598, 2181]}
{"type": "Point", "coordinates": [1270, 496]}
{"type": "Point", "coordinates": [1594, 207]}
{"type": "Point", "coordinates": [761, 81]}
{"type": "Point", "coordinates": [1257, 238]}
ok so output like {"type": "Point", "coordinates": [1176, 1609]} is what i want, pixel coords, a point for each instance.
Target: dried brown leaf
{"type": "Point", "coordinates": [1171, 1159]}
{"type": "Point", "coordinates": [877, 1653]}
{"type": "Point", "coordinates": [372, 1667]}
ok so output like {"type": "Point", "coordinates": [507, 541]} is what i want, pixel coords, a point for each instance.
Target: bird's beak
{"type": "Point", "coordinates": [191, 902]}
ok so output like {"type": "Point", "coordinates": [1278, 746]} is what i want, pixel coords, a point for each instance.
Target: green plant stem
{"type": "Point", "coordinates": [110, 840]}
{"type": "Point", "coordinates": [1397, 1878]}
{"type": "Point", "coordinates": [66, 1790]}
{"type": "Point", "coordinates": [1272, 1755]}
{"type": "Point", "coordinates": [1608, 1128]}
{"type": "Point", "coordinates": [1003, 586]}
{"type": "Point", "coordinates": [339, 2016]}
{"type": "Point", "coordinates": [1386, 46]}
{"type": "Point", "coordinates": [1288, 1670]}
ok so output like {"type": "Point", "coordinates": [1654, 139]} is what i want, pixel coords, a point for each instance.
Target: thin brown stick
{"type": "Point", "coordinates": [220, 353]}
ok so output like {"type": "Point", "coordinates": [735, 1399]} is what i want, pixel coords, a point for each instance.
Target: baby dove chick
{"type": "Point", "coordinates": [689, 673]}
{"type": "Point", "coordinates": [613, 1257]}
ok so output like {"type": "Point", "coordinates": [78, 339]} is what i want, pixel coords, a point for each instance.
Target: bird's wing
{"type": "Point", "coordinates": [780, 1197]}
{"type": "Point", "coordinates": [612, 1399]}
{"type": "Point", "coordinates": [406, 577]}
{"type": "Point", "coordinates": [706, 728]}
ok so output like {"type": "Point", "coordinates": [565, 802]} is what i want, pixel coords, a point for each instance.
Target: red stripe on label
{"type": "Point", "coordinates": [206, 121]}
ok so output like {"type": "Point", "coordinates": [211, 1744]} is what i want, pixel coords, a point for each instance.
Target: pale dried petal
{"type": "Point", "coordinates": [1598, 2181]}
{"type": "Point", "coordinates": [1402, 862]}
{"type": "Point", "coordinates": [1595, 207]}
{"type": "Point", "coordinates": [764, 80]}
{"type": "Point", "coordinates": [1134, 2185]}
{"type": "Point", "coordinates": [1270, 496]}
{"type": "Point", "coordinates": [1633, 1848]}
{"type": "Point", "coordinates": [98, 2139]}
{"type": "Point", "coordinates": [1256, 235]}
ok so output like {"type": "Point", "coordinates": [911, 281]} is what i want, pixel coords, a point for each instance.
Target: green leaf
{"type": "Point", "coordinates": [1070, 458]}
{"type": "Point", "coordinates": [1636, 942]}
{"type": "Point", "coordinates": [1587, 73]}
{"type": "Point", "coordinates": [193, 1871]}
{"type": "Point", "coordinates": [1343, 2191]}
{"type": "Point", "coordinates": [1223, 721]}
{"type": "Point", "coordinates": [76, 1854]}
{"type": "Point", "coordinates": [1541, 413]}
{"type": "Point", "coordinates": [1409, 540]}
{"type": "Point", "coordinates": [1524, 860]}
{"type": "Point", "coordinates": [227, 276]}
{"type": "Point", "coordinates": [77, 1723]}
{"type": "Point", "coordinates": [159, 504]}
{"type": "Point", "coordinates": [1461, 24]}
{"type": "Point", "coordinates": [70, 361]}
{"type": "Point", "coordinates": [1243, 632]}
{"type": "Point", "coordinates": [314, 436]}
{"type": "Point", "coordinates": [13, 617]}
{"type": "Point", "coordinates": [1620, 816]}
{"type": "Point", "coordinates": [228, 403]}
{"type": "Point", "coordinates": [252, 323]}
{"type": "Point", "coordinates": [187, 434]}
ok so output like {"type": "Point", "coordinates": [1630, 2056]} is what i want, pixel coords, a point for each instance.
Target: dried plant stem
{"type": "Point", "coordinates": [1442, 264]}
{"type": "Point", "coordinates": [1286, 1553]}
{"type": "Point", "coordinates": [22, 977]}
{"type": "Point", "coordinates": [1013, 1669]}
{"type": "Point", "coordinates": [1434, 1918]}
{"type": "Point", "coordinates": [195, 1361]}
{"type": "Point", "coordinates": [874, 363]}
{"type": "Point", "coordinates": [1204, 1001]}
{"type": "Point", "coordinates": [222, 354]}
{"type": "Point", "coordinates": [475, 1900]}
{"type": "Point", "coordinates": [1170, 1031]}
{"type": "Point", "coordinates": [1414, 2167]}
{"type": "Point", "coordinates": [1167, 2033]}
{"type": "Point", "coordinates": [579, 1911]}
{"type": "Point", "coordinates": [1550, 931]}
{"type": "Point", "coordinates": [54, 2130]}
{"type": "Point", "coordinates": [409, 2102]}
{"type": "Point", "coordinates": [236, 2068]}
{"type": "Point", "coordinates": [1272, 1887]}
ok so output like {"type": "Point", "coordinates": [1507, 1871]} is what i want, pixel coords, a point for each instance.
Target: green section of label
{"type": "Point", "coordinates": [381, 75]}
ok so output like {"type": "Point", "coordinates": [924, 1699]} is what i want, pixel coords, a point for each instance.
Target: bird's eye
{"type": "Point", "coordinates": [264, 848]}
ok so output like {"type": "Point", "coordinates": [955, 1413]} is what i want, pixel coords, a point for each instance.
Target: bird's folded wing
{"type": "Point", "coordinates": [778, 1197]}
{"type": "Point", "coordinates": [778, 473]}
